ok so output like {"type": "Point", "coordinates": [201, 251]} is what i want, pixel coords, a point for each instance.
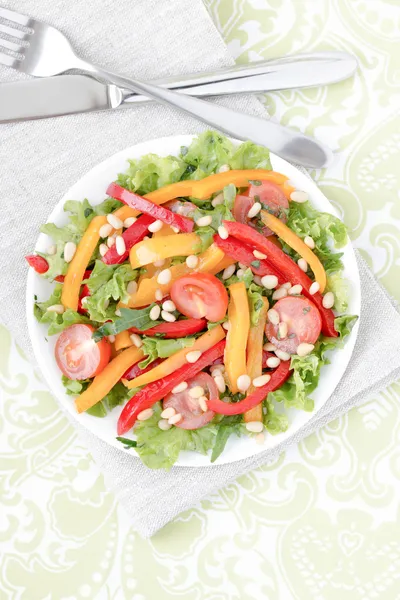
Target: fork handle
{"type": "Point", "coordinates": [285, 142]}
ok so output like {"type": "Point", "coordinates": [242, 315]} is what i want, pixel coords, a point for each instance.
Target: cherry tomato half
{"type": "Point", "coordinates": [200, 295]}
{"type": "Point", "coordinates": [269, 194]}
{"type": "Point", "coordinates": [193, 416]}
{"type": "Point", "coordinates": [303, 320]}
{"type": "Point", "coordinates": [78, 356]}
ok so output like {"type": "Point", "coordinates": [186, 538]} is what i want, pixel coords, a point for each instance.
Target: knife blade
{"type": "Point", "coordinates": [70, 94]}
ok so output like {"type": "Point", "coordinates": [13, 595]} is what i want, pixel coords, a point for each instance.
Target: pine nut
{"type": "Point", "coordinates": [145, 414]}
{"type": "Point", "coordinates": [120, 245]}
{"type": "Point", "coordinates": [193, 356]}
{"type": "Point", "coordinates": [303, 264]}
{"type": "Point", "coordinates": [255, 426]}
{"type": "Point", "coordinates": [299, 196]}
{"type": "Point", "coordinates": [309, 242]}
{"type": "Point", "coordinates": [242, 266]}
{"type": "Point", "coordinates": [262, 380]}
{"type": "Point", "coordinates": [164, 277]}
{"type": "Point", "coordinates": [223, 232]}
{"type": "Point", "coordinates": [136, 340]}
{"type": "Point", "coordinates": [219, 199]}
{"type": "Point", "coordinates": [131, 288]}
{"type": "Point", "coordinates": [103, 249]}
{"type": "Point", "coordinates": [175, 419]}
{"type": "Point", "coordinates": [224, 169]}
{"type": "Point", "coordinates": [169, 306]}
{"type": "Point", "coordinates": [181, 387]}
{"type": "Point", "coordinates": [273, 362]}
{"type": "Point", "coordinates": [273, 316]}
{"type": "Point", "coordinates": [226, 325]}
{"type": "Point", "coordinates": [257, 280]}
{"type": "Point", "coordinates": [328, 300]}
{"type": "Point", "coordinates": [255, 209]}
{"type": "Point", "coordinates": [282, 355]}
{"type": "Point", "coordinates": [118, 312]}
{"type": "Point", "coordinates": [129, 222]}
{"type": "Point", "coordinates": [156, 226]}
{"type": "Point", "coordinates": [269, 281]}
{"type": "Point", "coordinates": [114, 221]}
{"type": "Point", "coordinates": [279, 293]}
{"type": "Point", "coordinates": [282, 330]}
{"type": "Point", "coordinates": [303, 349]}
{"type": "Point", "coordinates": [69, 251]}
{"type": "Point", "coordinates": [169, 412]}
{"type": "Point", "coordinates": [286, 285]}
{"type": "Point", "coordinates": [167, 316]}
{"type": "Point", "coordinates": [105, 230]}
{"type": "Point", "coordinates": [259, 255]}
{"type": "Point", "coordinates": [155, 313]}
{"type": "Point", "coordinates": [314, 288]}
{"type": "Point", "coordinates": [51, 250]}
{"type": "Point", "coordinates": [203, 403]}
{"type": "Point", "coordinates": [56, 308]}
{"type": "Point", "coordinates": [164, 425]}
{"type": "Point", "coordinates": [260, 438]}
{"type": "Point", "coordinates": [192, 261]}
{"type": "Point", "coordinates": [159, 263]}
{"type": "Point", "coordinates": [243, 383]}
{"type": "Point", "coordinates": [158, 295]}
{"type": "Point", "coordinates": [295, 290]}
{"type": "Point", "coordinates": [220, 382]}
{"type": "Point", "coordinates": [196, 391]}
{"type": "Point", "coordinates": [175, 229]}
{"type": "Point", "coordinates": [111, 241]}
{"type": "Point", "coordinates": [240, 273]}
{"type": "Point", "coordinates": [204, 221]}
{"type": "Point", "coordinates": [111, 338]}
{"type": "Point", "coordinates": [268, 347]}
{"type": "Point", "coordinates": [228, 272]}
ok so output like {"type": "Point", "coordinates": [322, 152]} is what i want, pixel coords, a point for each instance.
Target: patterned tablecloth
{"type": "Point", "coordinates": [322, 522]}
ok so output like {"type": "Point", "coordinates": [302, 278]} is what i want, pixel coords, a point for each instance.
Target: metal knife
{"type": "Point", "coordinates": [69, 94]}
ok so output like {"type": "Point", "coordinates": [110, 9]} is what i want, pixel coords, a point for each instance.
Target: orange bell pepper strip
{"type": "Point", "coordinates": [292, 240]}
{"type": "Point", "coordinates": [177, 360]}
{"type": "Point", "coordinates": [236, 340]}
{"type": "Point", "coordinates": [106, 380]}
{"type": "Point", "coordinates": [221, 266]}
{"type": "Point", "coordinates": [149, 251]}
{"type": "Point", "coordinates": [254, 359]}
{"type": "Point", "coordinates": [78, 265]}
{"type": "Point", "coordinates": [164, 231]}
{"type": "Point", "coordinates": [145, 294]}
{"type": "Point", "coordinates": [122, 340]}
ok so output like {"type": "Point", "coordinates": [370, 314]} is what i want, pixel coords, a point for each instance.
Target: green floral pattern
{"type": "Point", "coordinates": [320, 523]}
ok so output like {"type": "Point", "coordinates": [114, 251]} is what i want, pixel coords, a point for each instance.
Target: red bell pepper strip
{"type": "Point", "coordinates": [278, 377]}
{"type": "Point", "coordinates": [38, 263]}
{"type": "Point", "coordinates": [134, 371]}
{"type": "Point", "coordinates": [178, 329]}
{"type": "Point", "coordinates": [150, 208]}
{"type": "Point", "coordinates": [283, 263]}
{"type": "Point", "coordinates": [84, 293]}
{"type": "Point", "coordinates": [133, 235]}
{"type": "Point", "coordinates": [157, 390]}
{"type": "Point", "coordinates": [242, 252]}
{"type": "Point", "coordinates": [60, 278]}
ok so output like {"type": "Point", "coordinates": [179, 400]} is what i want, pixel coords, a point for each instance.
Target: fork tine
{"type": "Point", "coordinates": [11, 46]}
{"type": "Point", "coordinates": [17, 33]}
{"type": "Point", "coordinates": [10, 15]}
{"type": "Point", "coordinates": [9, 61]}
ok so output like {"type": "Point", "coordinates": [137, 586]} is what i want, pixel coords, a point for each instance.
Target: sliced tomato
{"type": "Point", "coordinates": [303, 320]}
{"type": "Point", "coordinates": [178, 329]}
{"type": "Point", "coordinates": [84, 293]}
{"type": "Point", "coordinates": [192, 415]}
{"type": "Point", "coordinates": [200, 295]}
{"type": "Point", "coordinates": [78, 356]}
{"type": "Point", "coordinates": [265, 356]}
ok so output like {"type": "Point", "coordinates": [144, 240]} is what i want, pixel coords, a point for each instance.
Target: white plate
{"type": "Point", "coordinates": [92, 186]}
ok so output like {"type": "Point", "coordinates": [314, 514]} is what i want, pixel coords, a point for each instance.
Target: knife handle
{"type": "Point", "coordinates": [303, 70]}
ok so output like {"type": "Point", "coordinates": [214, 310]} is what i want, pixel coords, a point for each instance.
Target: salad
{"type": "Point", "coordinates": [201, 297]}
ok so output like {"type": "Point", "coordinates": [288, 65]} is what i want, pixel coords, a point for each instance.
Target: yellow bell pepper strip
{"type": "Point", "coordinates": [149, 251]}
{"type": "Point", "coordinates": [122, 340]}
{"type": "Point", "coordinates": [146, 292]}
{"type": "Point", "coordinates": [292, 240]}
{"type": "Point", "coordinates": [77, 266]}
{"type": "Point", "coordinates": [106, 380]}
{"type": "Point", "coordinates": [164, 231]}
{"type": "Point", "coordinates": [177, 360]}
{"type": "Point", "coordinates": [254, 359]}
{"type": "Point", "coordinates": [225, 262]}
{"type": "Point", "coordinates": [236, 340]}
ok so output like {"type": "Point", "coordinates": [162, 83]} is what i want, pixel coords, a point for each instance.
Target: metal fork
{"type": "Point", "coordinates": [42, 51]}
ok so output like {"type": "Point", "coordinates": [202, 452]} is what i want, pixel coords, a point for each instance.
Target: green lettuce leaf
{"type": "Point", "coordinates": [57, 323]}
{"type": "Point", "coordinates": [344, 324]}
{"type": "Point", "coordinates": [247, 278]}
{"type": "Point", "coordinates": [99, 305]}
{"type": "Point", "coordinates": [227, 426]}
{"type": "Point", "coordinates": [160, 348]}
{"type": "Point", "coordinates": [305, 220]}
{"type": "Point", "coordinates": [274, 422]}
{"type": "Point", "coordinates": [207, 152]}
{"type": "Point", "coordinates": [160, 449]}
{"type": "Point", "coordinates": [339, 286]}
{"type": "Point", "coordinates": [139, 318]}
{"type": "Point", "coordinates": [250, 156]}
{"type": "Point", "coordinates": [151, 172]}
{"type": "Point", "coordinates": [56, 262]}
{"type": "Point", "coordinates": [254, 294]}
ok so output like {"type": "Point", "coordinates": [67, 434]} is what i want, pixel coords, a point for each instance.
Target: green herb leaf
{"type": "Point", "coordinates": [138, 318]}
{"type": "Point", "coordinates": [128, 443]}
{"type": "Point", "coordinates": [158, 348]}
